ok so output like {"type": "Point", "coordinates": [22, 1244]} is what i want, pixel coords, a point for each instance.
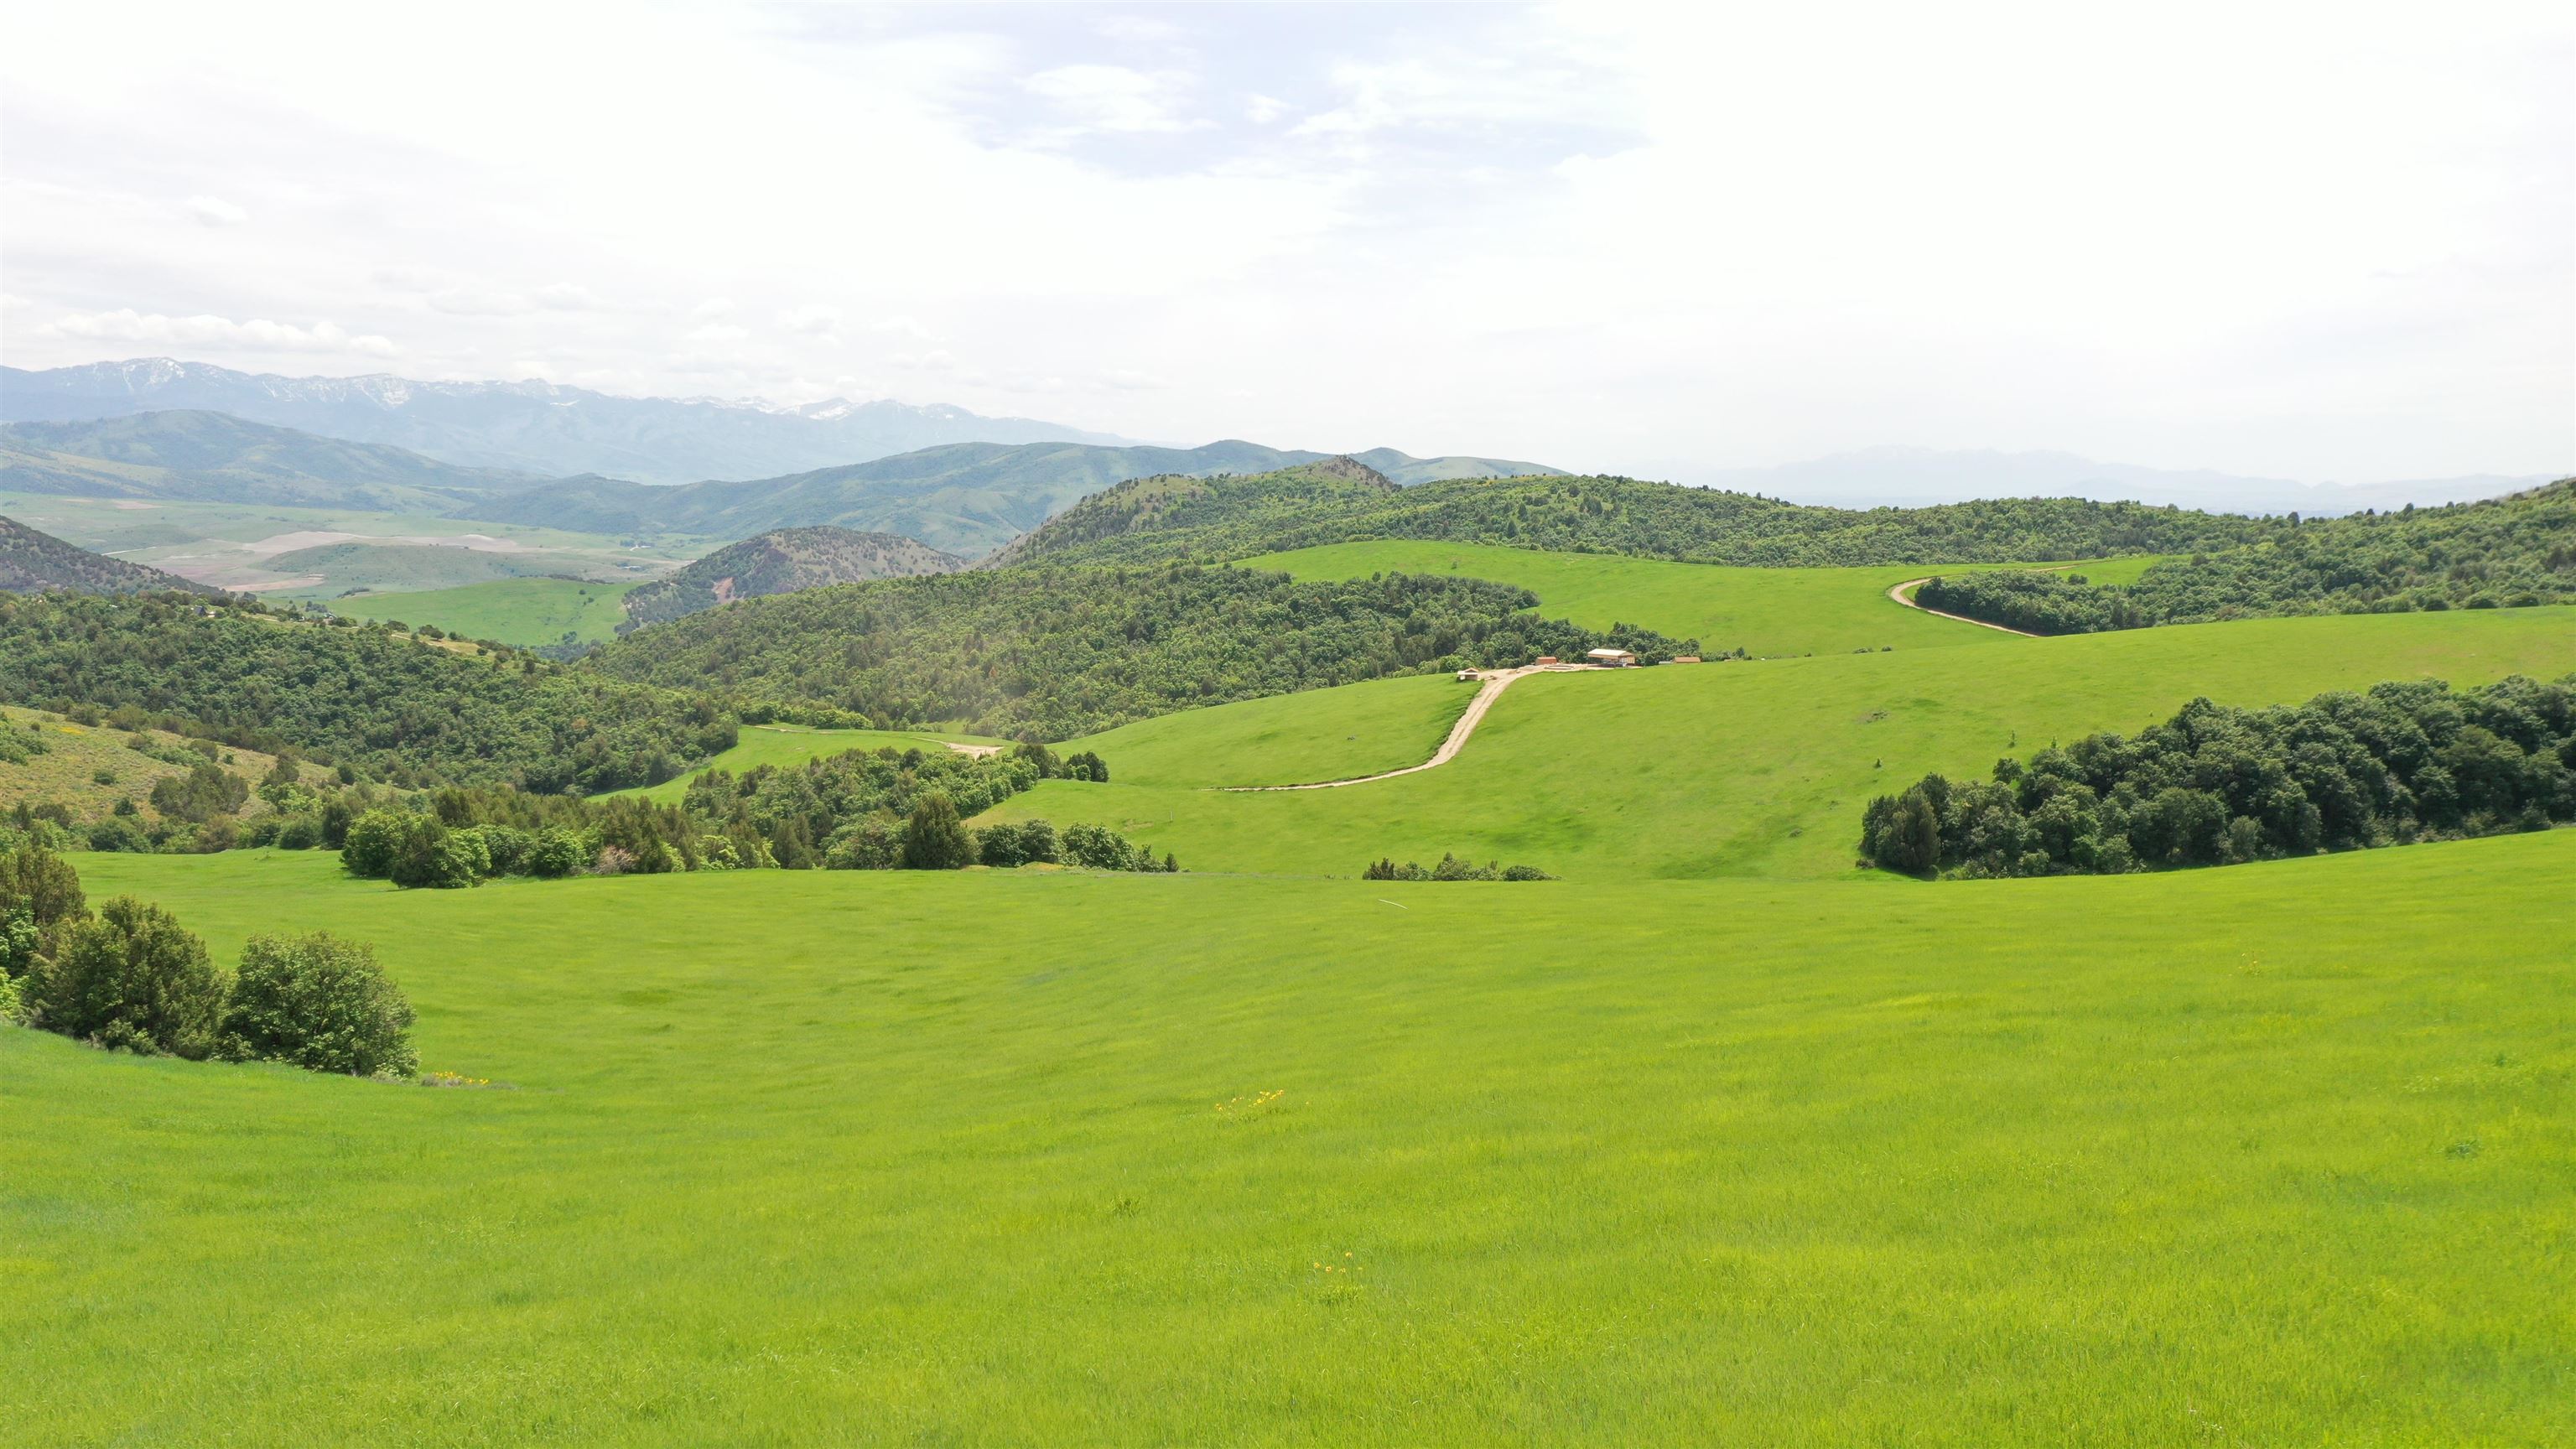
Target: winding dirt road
{"type": "Point", "coordinates": [1495, 684]}
{"type": "Point", "coordinates": [1904, 594]}
{"type": "Point", "coordinates": [1502, 679]}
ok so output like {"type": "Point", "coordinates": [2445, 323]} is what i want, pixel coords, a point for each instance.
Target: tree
{"type": "Point", "coordinates": [134, 981]}
{"type": "Point", "coordinates": [1905, 833]}
{"type": "Point", "coordinates": [42, 884]}
{"type": "Point", "coordinates": [934, 838]}
{"type": "Point", "coordinates": [320, 1003]}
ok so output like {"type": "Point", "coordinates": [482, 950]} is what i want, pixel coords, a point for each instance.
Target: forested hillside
{"type": "Point", "coordinates": [1157, 519]}
{"type": "Point", "coordinates": [1060, 652]}
{"type": "Point", "coordinates": [386, 704]}
{"type": "Point", "coordinates": [2502, 553]}
{"type": "Point", "coordinates": [33, 561]}
{"type": "Point", "coordinates": [783, 561]}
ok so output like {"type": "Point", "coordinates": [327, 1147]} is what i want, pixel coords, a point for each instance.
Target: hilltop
{"type": "Point", "coordinates": [1238, 517]}
{"type": "Point", "coordinates": [32, 561]}
{"type": "Point", "coordinates": [783, 561]}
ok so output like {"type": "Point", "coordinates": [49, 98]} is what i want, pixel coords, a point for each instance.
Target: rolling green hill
{"type": "Point", "coordinates": [1763, 611]}
{"type": "Point", "coordinates": [782, 561]}
{"type": "Point", "coordinates": [33, 561]}
{"type": "Point", "coordinates": [1725, 769]}
{"type": "Point", "coordinates": [207, 457]}
{"type": "Point", "coordinates": [1159, 519]}
{"type": "Point", "coordinates": [1051, 1158]}
{"type": "Point", "coordinates": [524, 612]}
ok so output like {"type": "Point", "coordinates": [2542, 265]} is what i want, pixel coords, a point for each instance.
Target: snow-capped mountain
{"type": "Point", "coordinates": [534, 427]}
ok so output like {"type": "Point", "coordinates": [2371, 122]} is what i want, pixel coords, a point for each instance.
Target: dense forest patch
{"type": "Point", "coordinates": [2404, 762]}
{"type": "Point", "coordinates": [382, 703]}
{"type": "Point", "coordinates": [1060, 652]}
{"type": "Point", "coordinates": [2503, 553]}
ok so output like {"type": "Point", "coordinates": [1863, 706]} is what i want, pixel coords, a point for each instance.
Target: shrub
{"type": "Point", "coordinates": [131, 980]}
{"type": "Point", "coordinates": [368, 845]}
{"type": "Point", "coordinates": [433, 857]}
{"type": "Point", "coordinates": [43, 885]}
{"type": "Point", "coordinates": [320, 1003]}
{"type": "Point", "coordinates": [934, 838]}
{"type": "Point", "coordinates": [299, 832]}
{"type": "Point", "coordinates": [206, 791]}
{"type": "Point", "coordinates": [119, 832]}
{"type": "Point", "coordinates": [557, 852]}
{"type": "Point", "coordinates": [999, 845]}
{"type": "Point", "coordinates": [875, 843]}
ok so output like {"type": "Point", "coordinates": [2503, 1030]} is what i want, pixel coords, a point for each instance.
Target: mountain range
{"type": "Point", "coordinates": [967, 498]}
{"type": "Point", "coordinates": [202, 457]}
{"type": "Point", "coordinates": [531, 427]}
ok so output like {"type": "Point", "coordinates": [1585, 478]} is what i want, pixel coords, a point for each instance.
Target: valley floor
{"type": "Point", "coordinates": [2266, 1154]}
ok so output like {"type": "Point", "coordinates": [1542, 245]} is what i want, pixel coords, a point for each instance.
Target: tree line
{"type": "Point", "coordinates": [2406, 761]}
{"type": "Point", "coordinates": [2502, 553]}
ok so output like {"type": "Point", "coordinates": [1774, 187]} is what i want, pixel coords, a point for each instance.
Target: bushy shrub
{"type": "Point", "coordinates": [433, 857]}
{"type": "Point", "coordinates": [320, 1003]}
{"type": "Point", "coordinates": [934, 838]}
{"type": "Point", "coordinates": [1450, 868]}
{"type": "Point", "coordinates": [206, 791]}
{"type": "Point", "coordinates": [875, 843]}
{"type": "Point", "coordinates": [558, 852]}
{"type": "Point", "coordinates": [368, 846]}
{"type": "Point", "coordinates": [119, 833]}
{"type": "Point", "coordinates": [131, 980]}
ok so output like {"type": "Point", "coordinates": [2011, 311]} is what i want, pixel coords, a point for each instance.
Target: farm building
{"type": "Point", "coordinates": [1685, 659]}
{"type": "Point", "coordinates": [1545, 659]}
{"type": "Point", "coordinates": [1611, 658]}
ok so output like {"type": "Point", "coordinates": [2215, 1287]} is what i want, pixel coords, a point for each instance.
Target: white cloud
{"type": "Point", "coordinates": [812, 321]}
{"type": "Point", "coordinates": [223, 333]}
{"type": "Point", "coordinates": [466, 302]}
{"type": "Point", "coordinates": [1261, 110]}
{"type": "Point", "coordinates": [712, 308]}
{"type": "Point", "coordinates": [1128, 379]}
{"type": "Point", "coordinates": [1115, 98]}
{"type": "Point", "coordinates": [215, 211]}
{"type": "Point", "coordinates": [565, 297]}
{"type": "Point", "coordinates": [717, 334]}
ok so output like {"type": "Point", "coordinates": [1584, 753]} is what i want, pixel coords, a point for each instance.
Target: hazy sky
{"type": "Point", "coordinates": [2328, 242]}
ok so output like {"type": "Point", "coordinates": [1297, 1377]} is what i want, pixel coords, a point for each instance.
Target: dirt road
{"type": "Point", "coordinates": [1495, 683]}
{"type": "Point", "coordinates": [1904, 594]}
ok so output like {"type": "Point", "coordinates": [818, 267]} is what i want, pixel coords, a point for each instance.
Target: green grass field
{"type": "Point", "coordinates": [513, 611]}
{"type": "Point", "coordinates": [2257, 1155]}
{"type": "Point", "coordinates": [1744, 768]}
{"type": "Point", "coordinates": [1765, 612]}
{"type": "Point", "coordinates": [781, 744]}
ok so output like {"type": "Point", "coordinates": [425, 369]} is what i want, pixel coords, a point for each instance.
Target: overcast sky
{"type": "Point", "coordinates": [2325, 243]}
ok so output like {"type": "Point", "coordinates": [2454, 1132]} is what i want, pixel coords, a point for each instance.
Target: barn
{"type": "Point", "coordinates": [1611, 658]}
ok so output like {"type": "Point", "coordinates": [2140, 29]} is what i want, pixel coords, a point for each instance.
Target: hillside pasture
{"type": "Point", "coordinates": [1761, 767]}
{"type": "Point", "coordinates": [2265, 1154]}
{"type": "Point", "coordinates": [525, 612]}
{"type": "Point", "coordinates": [1766, 612]}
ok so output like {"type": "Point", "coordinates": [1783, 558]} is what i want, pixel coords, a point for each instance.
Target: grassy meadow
{"type": "Point", "coordinates": [1739, 768]}
{"type": "Point", "coordinates": [526, 612]}
{"type": "Point", "coordinates": [2267, 1154]}
{"type": "Point", "coordinates": [1765, 612]}
{"type": "Point", "coordinates": [87, 769]}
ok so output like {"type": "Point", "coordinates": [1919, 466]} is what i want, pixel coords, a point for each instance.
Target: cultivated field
{"type": "Point", "coordinates": [2259, 1155]}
